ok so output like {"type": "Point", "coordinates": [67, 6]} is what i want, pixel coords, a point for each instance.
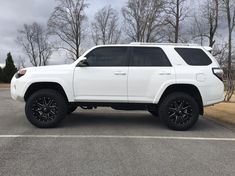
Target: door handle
{"type": "Point", "coordinates": [120, 73]}
{"type": "Point", "coordinates": [164, 73]}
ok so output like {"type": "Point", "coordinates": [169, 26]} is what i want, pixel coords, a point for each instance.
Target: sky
{"type": "Point", "coordinates": [14, 13]}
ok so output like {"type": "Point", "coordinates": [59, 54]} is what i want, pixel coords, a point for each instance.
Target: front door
{"type": "Point", "coordinates": [105, 77]}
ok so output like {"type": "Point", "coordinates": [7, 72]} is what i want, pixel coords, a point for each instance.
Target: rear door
{"type": "Point", "coordinates": [149, 71]}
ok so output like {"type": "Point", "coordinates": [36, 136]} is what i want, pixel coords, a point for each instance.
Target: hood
{"type": "Point", "coordinates": [51, 68]}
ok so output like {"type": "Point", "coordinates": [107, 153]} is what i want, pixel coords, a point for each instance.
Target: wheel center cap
{"type": "Point", "coordinates": [45, 109]}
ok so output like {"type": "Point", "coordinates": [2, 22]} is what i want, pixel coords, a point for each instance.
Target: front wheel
{"type": "Point", "coordinates": [46, 108]}
{"type": "Point", "coordinates": [71, 108]}
{"type": "Point", "coordinates": [179, 111]}
{"type": "Point", "coordinates": [154, 113]}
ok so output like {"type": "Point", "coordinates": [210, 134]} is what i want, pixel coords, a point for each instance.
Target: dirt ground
{"type": "Point", "coordinates": [223, 111]}
{"type": "Point", "coordinates": [3, 85]}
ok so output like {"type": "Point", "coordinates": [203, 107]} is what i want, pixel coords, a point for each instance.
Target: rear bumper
{"type": "Point", "coordinates": [212, 94]}
{"type": "Point", "coordinates": [212, 102]}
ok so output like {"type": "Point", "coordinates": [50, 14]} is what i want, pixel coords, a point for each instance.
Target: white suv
{"type": "Point", "coordinates": [171, 81]}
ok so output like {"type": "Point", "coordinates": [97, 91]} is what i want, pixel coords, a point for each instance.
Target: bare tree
{"type": "Point", "coordinates": [220, 52]}
{"type": "Point", "coordinates": [66, 22]}
{"type": "Point", "coordinates": [34, 40]}
{"type": "Point", "coordinates": [206, 23]}
{"type": "Point", "coordinates": [229, 7]}
{"type": "Point", "coordinates": [20, 62]}
{"type": "Point", "coordinates": [143, 19]}
{"type": "Point", "coordinates": [176, 12]}
{"type": "Point", "coordinates": [105, 28]}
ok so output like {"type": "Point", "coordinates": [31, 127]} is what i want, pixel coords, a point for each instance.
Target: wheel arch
{"type": "Point", "coordinates": [190, 89]}
{"type": "Point", "coordinates": [44, 85]}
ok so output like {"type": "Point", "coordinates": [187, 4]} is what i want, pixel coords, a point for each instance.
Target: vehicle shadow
{"type": "Point", "coordinates": [128, 119]}
{"type": "Point", "coordinates": [114, 118]}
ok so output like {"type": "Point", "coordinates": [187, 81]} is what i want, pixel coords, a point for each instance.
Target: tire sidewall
{"type": "Point", "coordinates": [71, 108]}
{"type": "Point", "coordinates": [163, 111]}
{"type": "Point", "coordinates": [60, 101]}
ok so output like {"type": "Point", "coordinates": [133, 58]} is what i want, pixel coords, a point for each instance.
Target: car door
{"type": "Point", "coordinates": [105, 77]}
{"type": "Point", "coordinates": [149, 71]}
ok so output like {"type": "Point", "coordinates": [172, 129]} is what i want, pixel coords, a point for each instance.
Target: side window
{"type": "Point", "coordinates": [108, 57]}
{"type": "Point", "coordinates": [194, 56]}
{"type": "Point", "coordinates": [149, 56]}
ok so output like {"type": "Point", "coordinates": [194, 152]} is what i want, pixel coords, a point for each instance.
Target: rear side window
{"type": "Point", "coordinates": [147, 57]}
{"type": "Point", "coordinates": [108, 57]}
{"type": "Point", "coordinates": [194, 56]}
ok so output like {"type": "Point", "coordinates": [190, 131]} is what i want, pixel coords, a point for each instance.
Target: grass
{"type": "Point", "coordinates": [3, 85]}
{"type": "Point", "coordinates": [224, 112]}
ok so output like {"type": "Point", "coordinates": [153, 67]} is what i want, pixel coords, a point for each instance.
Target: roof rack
{"type": "Point", "coordinates": [177, 44]}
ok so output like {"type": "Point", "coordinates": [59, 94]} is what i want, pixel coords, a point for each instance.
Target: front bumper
{"type": "Point", "coordinates": [17, 89]}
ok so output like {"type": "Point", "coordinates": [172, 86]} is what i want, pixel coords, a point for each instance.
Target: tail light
{"type": "Point", "coordinates": [21, 73]}
{"type": "Point", "coordinates": [218, 72]}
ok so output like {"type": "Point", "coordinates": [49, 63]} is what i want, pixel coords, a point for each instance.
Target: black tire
{"type": "Point", "coordinates": [46, 108]}
{"type": "Point", "coordinates": [154, 113]}
{"type": "Point", "coordinates": [71, 108]}
{"type": "Point", "coordinates": [179, 111]}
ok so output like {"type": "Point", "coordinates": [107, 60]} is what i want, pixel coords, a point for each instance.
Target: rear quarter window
{"type": "Point", "coordinates": [194, 56]}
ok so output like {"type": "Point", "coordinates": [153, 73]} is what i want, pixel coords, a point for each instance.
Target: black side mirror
{"type": "Point", "coordinates": [83, 63]}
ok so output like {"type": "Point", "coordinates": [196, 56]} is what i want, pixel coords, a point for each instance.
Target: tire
{"type": "Point", "coordinates": [154, 113]}
{"type": "Point", "coordinates": [46, 108]}
{"type": "Point", "coordinates": [71, 108]}
{"type": "Point", "coordinates": [179, 111]}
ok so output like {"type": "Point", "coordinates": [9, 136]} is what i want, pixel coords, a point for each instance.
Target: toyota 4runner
{"type": "Point", "coordinates": [172, 81]}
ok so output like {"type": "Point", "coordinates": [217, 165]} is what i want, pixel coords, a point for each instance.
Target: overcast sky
{"type": "Point", "coordinates": [14, 13]}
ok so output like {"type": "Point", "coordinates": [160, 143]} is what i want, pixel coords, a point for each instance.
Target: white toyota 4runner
{"type": "Point", "coordinates": [171, 81]}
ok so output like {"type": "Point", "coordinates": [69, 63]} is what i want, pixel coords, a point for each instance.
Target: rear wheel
{"type": "Point", "coordinates": [46, 108]}
{"type": "Point", "coordinates": [179, 111]}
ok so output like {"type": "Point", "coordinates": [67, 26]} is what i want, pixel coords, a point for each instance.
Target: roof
{"type": "Point", "coordinates": [167, 44]}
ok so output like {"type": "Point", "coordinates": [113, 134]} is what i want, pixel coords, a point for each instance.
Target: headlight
{"type": "Point", "coordinates": [21, 73]}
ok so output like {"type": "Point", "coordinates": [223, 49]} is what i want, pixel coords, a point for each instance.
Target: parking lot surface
{"type": "Point", "coordinates": [108, 142]}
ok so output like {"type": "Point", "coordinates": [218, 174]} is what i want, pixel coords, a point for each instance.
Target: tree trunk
{"type": "Point", "coordinates": [177, 22]}
{"type": "Point", "coordinates": [230, 85]}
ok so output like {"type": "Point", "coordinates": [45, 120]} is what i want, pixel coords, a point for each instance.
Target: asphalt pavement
{"type": "Point", "coordinates": [107, 142]}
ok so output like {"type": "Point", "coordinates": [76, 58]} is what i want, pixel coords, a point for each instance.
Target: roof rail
{"type": "Point", "coordinates": [177, 44]}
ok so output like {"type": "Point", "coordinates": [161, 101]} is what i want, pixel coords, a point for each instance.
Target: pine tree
{"type": "Point", "coordinates": [9, 70]}
{"type": "Point", "coordinates": [0, 74]}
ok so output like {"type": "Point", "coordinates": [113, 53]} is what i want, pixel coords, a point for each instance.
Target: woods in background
{"type": "Point", "coordinates": [69, 28]}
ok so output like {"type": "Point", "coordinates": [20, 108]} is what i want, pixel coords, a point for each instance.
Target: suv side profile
{"type": "Point", "coordinates": [172, 81]}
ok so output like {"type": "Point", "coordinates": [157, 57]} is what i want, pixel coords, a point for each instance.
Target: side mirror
{"type": "Point", "coordinates": [83, 63]}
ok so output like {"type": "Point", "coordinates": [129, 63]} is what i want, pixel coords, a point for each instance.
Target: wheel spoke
{"type": "Point", "coordinates": [173, 109]}
{"type": "Point", "coordinates": [180, 111]}
{"type": "Point", "coordinates": [44, 108]}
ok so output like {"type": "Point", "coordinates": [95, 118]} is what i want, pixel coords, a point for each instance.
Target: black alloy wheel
{"type": "Point", "coordinates": [179, 111]}
{"type": "Point", "coordinates": [46, 108]}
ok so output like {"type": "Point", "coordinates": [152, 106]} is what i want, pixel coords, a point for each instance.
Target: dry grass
{"type": "Point", "coordinates": [224, 112]}
{"type": "Point", "coordinates": [3, 85]}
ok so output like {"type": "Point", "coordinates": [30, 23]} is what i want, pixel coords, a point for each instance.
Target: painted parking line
{"type": "Point", "coordinates": [119, 137]}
